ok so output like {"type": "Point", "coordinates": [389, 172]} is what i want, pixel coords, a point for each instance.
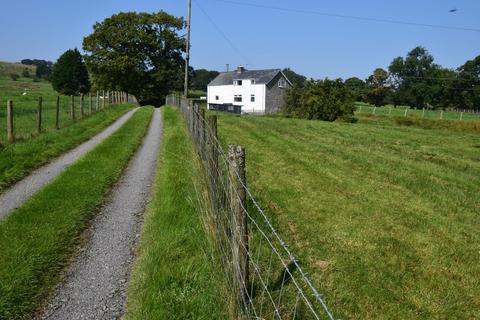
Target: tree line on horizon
{"type": "Point", "coordinates": [143, 54]}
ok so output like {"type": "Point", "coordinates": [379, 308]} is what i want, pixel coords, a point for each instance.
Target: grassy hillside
{"type": "Point", "coordinates": [7, 68]}
{"type": "Point", "coordinates": [384, 217]}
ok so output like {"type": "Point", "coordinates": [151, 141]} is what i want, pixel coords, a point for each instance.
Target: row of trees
{"type": "Point", "coordinates": [416, 81]}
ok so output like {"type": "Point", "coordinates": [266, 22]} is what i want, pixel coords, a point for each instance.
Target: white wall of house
{"type": "Point", "coordinates": [226, 94]}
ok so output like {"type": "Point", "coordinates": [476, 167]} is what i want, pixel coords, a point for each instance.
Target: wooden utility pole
{"type": "Point", "coordinates": [187, 56]}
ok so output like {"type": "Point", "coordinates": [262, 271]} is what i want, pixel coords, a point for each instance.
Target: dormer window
{"type": "Point", "coordinates": [237, 82]}
{"type": "Point", "coordinates": [282, 83]}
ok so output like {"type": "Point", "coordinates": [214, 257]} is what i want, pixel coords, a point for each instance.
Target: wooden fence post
{"type": "Point", "coordinates": [406, 111]}
{"type": "Point", "coordinates": [461, 115]}
{"type": "Point", "coordinates": [90, 102]}
{"type": "Point", "coordinates": [81, 106]}
{"type": "Point", "coordinates": [57, 114]}
{"type": "Point", "coordinates": [103, 100]}
{"type": "Point", "coordinates": [212, 152]}
{"type": "Point", "coordinates": [10, 128]}
{"type": "Point", "coordinates": [374, 109]}
{"type": "Point", "coordinates": [39, 115]}
{"type": "Point", "coordinates": [98, 101]}
{"type": "Point", "coordinates": [72, 108]}
{"type": "Point", "coordinates": [441, 115]}
{"type": "Point", "coordinates": [390, 110]}
{"type": "Point", "coordinates": [423, 113]}
{"type": "Point", "coordinates": [202, 135]}
{"type": "Point", "coordinates": [238, 198]}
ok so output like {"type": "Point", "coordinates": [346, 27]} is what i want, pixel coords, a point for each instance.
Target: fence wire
{"type": "Point", "coordinates": [265, 278]}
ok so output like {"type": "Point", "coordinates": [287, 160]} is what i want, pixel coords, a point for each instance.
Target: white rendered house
{"type": "Point", "coordinates": [248, 91]}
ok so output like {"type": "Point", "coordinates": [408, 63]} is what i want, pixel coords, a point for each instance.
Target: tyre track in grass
{"type": "Point", "coordinates": [96, 282]}
{"type": "Point", "coordinates": [16, 195]}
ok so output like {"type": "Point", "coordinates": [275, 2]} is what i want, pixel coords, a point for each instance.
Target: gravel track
{"type": "Point", "coordinates": [16, 195]}
{"type": "Point", "coordinates": [95, 284]}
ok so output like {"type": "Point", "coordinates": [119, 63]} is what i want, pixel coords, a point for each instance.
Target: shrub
{"type": "Point", "coordinates": [323, 99]}
{"type": "Point", "coordinates": [26, 73]}
{"type": "Point", "coordinates": [14, 76]}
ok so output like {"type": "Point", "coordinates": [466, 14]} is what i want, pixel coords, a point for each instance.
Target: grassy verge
{"type": "Point", "coordinates": [19, 159]}
{"type": "Point", "coordinates": [174, 277]}
{"type": "Point", "coordinates": [37, 239]}
{"type": "Point", "coordinates": [384, 217]}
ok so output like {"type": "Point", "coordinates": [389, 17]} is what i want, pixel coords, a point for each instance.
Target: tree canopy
{"type": "Point", "coordinates": [377, 89]}
{"type": "Point", "coordinates": [320, 99]}
{"type": "Point", "coordinates": [140, 53]}
{"type": "Point", "coordinates": [202, 77]}
{"type": "Point", "coordinates": [70, 75]}
{"type": "Point", "coordinates": [296, 79]}
{"type": "Point", "coordinates": [44, 67]}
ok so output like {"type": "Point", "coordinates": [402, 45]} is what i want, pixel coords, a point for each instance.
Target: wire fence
{"type": "Point", "coordinates": [22, 119]}
{"type": "Point", "coordinates": [265, 278]}
{"type": "Point", "coordinates": [403, 111]}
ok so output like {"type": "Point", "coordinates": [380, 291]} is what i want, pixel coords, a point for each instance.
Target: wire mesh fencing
{"type": "Point", "coordinates": [265, 278]}
{"type": "Point", "coordinates": [23, 118]}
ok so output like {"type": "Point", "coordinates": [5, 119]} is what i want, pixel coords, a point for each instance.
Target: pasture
{"type": "Point", "coordinates": [383, 217]}
{"type": "Point", "coordinates": [25, 93]}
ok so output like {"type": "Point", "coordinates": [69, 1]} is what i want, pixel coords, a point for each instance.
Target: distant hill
{"type": "Point", "coordinates": [7, 68]}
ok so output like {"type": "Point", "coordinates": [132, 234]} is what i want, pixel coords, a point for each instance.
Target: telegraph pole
{"type": "Point", "coordinates": [187, 57]}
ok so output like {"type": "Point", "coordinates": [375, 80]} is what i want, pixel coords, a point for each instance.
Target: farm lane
{"type": "Point", "coordinates": [95, 284]}
{"type": "Point", "coordinates": [20, 192]}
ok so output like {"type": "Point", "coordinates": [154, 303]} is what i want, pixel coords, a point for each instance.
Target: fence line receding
{"type": "Point", "coordinates": [265, 278]}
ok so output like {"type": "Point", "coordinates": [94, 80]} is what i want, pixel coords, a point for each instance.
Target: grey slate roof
{"type": "Point", "coordinates": [260, 77]}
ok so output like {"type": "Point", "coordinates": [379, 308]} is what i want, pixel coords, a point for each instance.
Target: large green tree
{"type": "Point", "coordinates": [356, 87]}
{"type": "Point", "coordinates": [320, 99]}
{"type": "Point", "coordinates": [467, 87]}
{"type": "Point", "coordinates": [202, 77]}
{"type": "Point", "coordinates": [377, 89]}
{"type": "Point", "coordinates": [140, 53]}
{"type": "Point", "coordinates": [296, 79]}
{"type": "Point", "coordinates": [69, 75]}
{"type": "Point", "coordinates": [414, 78]}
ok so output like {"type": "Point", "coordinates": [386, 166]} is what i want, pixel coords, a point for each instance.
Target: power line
{"type": "Point", "coordinates": [220, 31]}
{"type": "Point", "coordinates": [350, 17]}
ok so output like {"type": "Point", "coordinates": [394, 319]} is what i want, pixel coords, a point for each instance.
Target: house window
{"type": "Point", "coordinates": [252, 82]}
{"type": "Point", "coordinates": [282, 83]}
{"type": "Point", "coordinates": [217, 98]}
{"type": "Point", "coordinates": [238, 82]}
{"type": "Point", "coordinates": [237, 98]}
{"type": "Point", "coordinates": [252, 98]}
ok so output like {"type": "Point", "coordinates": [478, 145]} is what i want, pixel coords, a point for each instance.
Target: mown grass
{"type": "Point", "coordinates": [399, 111]}
{"type": "Point", "coordinates": [37, 239]}
{"type": "Point", "coordinates": [384, 217]}
{"type": "Point", "coordinates": [19, 159]}
{"type": "Point", "coordinates": [25, 93]}
{"type": "Point", "coordinates": [174, 276]}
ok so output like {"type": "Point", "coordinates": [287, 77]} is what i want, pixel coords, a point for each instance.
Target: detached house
{"type": "Point", "coordinates": [248, 91]}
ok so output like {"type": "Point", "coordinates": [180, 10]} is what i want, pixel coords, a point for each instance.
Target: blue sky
{"type": "Point", "coordinates": [315, 45]}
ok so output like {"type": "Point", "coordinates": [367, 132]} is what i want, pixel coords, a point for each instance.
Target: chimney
{"type": "Point", "coordinates": [240, 69]}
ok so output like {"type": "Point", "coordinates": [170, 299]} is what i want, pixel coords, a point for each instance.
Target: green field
{"type": "Point", "coordinates": [399, 111]}
{"type": "Point", "coordinates": [25, 107]}
{"type": "Point", "coordinates": [383, 217]}
{"type": "Point", "coordinates": [174, 276]}
{"type": "Point", "coordinates": [38, 238]}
